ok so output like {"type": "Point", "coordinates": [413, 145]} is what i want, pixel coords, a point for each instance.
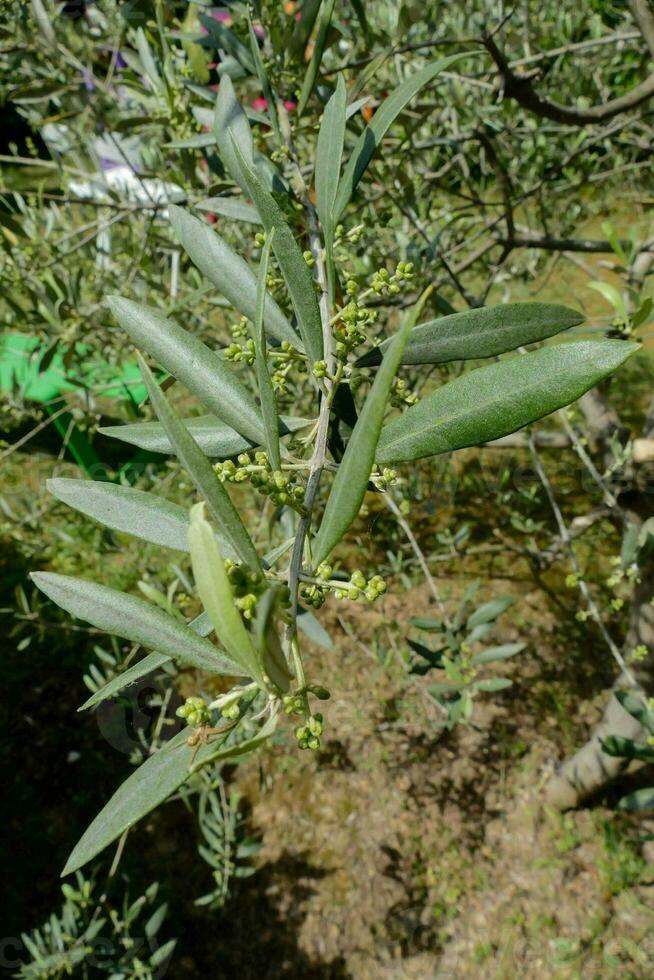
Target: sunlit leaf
{"type": "Point", "coordinates": [200, 470]}
{"type": "Point", "coordinates": [216, 594]}
{"type": "Point", "coordinates": [152, 783]}
{"type": "Point", "coordinates": [266, 391]}
{"type": "Point", "coordinates": [205, 374]}
{"type": "Point", "coordinates": [228, 272]}
{"type": "Point", "coordinates": [379, 125]}
{"type": "Point", "coordinates": [215, 438]}
{"type": "Point", "coordinates": [329, 152]}
{"type": "Point", "coordinates": [353, 474]}
{"type": "Point", "coordinates": [498, 399]}
{"type": "Point", "coordinates": [299, 282]}
{"type": "Point", "coordinates": [480, 333]}
{"type": "Point", "coordinates": [134, 619]}
{"type": "Point", "coordinates": [230, 115]}
{"type": "Point", "coordinates": [153, 661]}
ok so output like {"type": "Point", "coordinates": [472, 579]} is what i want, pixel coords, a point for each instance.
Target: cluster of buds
{"type": "Point", "coordinates": [401, 394]}
{"type": "Point", "coordinates": [353, 236]}
{"type": "Point", "coordinates": [631, 573]}
{"type": "Point", "coordinates": [316, 591]}
{"type": "Point", "coordinates": [246, 586]}
{"type": "Point", "coordinates": [308, 736]}
{"type": "Point", "coordinates": [241, 352]}
{"type": "Point", "coordinates": [385, 284]}
{"type": "Point", "coordinates": [385, 478]}
{"type": "Point", "coordinates": [638, 654]}
{"type": "Point", "coordinates": [239, 329]}
{"type": "Point", "coordinates": [361, 588]}
{"type": "Point", "coordinates": [284, 357]}
{"type": "Point", "coordinates": [195, 711]}
{"type": "Point", "coordinates": [271, 483]}
{"type": "Point", "coordinates": [298, 703]}
{"type": "Point", "coordinates": [349, 330]}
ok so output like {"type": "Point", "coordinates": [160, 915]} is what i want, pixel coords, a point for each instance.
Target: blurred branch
{"type": "Point", "coordinates": [520, 89]}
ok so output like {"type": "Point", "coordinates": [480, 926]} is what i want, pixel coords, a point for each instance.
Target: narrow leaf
{"type": "Point", "coordinates": [134, 619]}
{"type": "Point", "coordinates": [314, 630]}
{"type": "Point", "coordinates": [228, 41]}
{"type": "Point", "coordinates": [230, 207]}
{"type": "Point", "coordinates": [132, 511]}
{"type": "Point", "coordinates": [216, 594]}
{"type": "Point", "coordinates": [480, 333]}
{"type": "Point", "coordinates": [230, 115]}
{"type": "Point", "coordinates": [351, 480]}
{"type": "Point", "coordinates": [329, 152]}
{"type": "Point", "coordinates": [626, 748]}
{"type": "Point", "coordinates": [199, 469]}
{"type": "Point", "coordinates": [489, 611]}
{"type": "Point", "coordinates": [228, 272]}
{"type": "Point", "coordinates": [192, 363]}
{"type": "Point", "coordinates": [266, 391]}
{"type": "Point", "coordinates": [264, 81]}
{"type": "Point", "coordinates": [326, 11]}
{"type": "Point", "coordinates": [379, 124]}
{"type": "Point", "coordinates": [215, 438]}
{"type": "Point", "coordinates": [201, 625]}
{"type": "Point", "coordinates": [642, 799]}
{"type": "Point", "coordinates": [498, 399]}
{"type": "Point", "coordinates": [295, 271]}
{"type": "Point", "coordinates": [494, 684]}
{"type": "Point", "coordinates": [503, 652]}
{"type": "Point", "coordinates": [152, 783]}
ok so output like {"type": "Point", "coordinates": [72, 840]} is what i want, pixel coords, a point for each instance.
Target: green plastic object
{"type": "Point", "coordinates": [21, 358]}
{"type": "Point", "coordinates": [20, 370]}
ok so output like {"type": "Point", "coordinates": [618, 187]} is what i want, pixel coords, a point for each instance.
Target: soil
{"type": "Point", "coordinates": [401, 850]}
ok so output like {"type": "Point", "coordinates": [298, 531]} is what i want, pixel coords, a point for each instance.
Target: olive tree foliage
{"type": "Point", "coordinates": [302, 405]}
{"type": "Point", "coordinates": [404, 168]}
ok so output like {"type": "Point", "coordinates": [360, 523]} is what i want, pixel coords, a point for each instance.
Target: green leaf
{"type": "Point", "coordinates": [227, 40]}
{"type": "Point", "coordinates": [230, 115]}
{"type": "Point", "coordinates": [201, 625]}
{"type": "Point", "coordinates": [379, 124]}
{"type": "Point", "coordinates": [636, 707]}
{"type": "Point", "coordinates": [493, 684]}
{"type": "Point", "coordinates": [216, 594]}
{"type": "Point", "coordinates": [314, 630]}
{"type": "Point", "coordinates": [304, 26]}
{"type": "Point", "coordinates": [228, 272]}
{"type": "Point", "coordinates": [353, 474]}
{"type": "Point", "coordinates": [299, 282]}
{"type": "Point", "coordinates": [329, 152]}
{"type": "Point", "coordinates": [503, 652]}
{"type": "Point", "coordinates": [612, 296]}
{"type": "Point", "coordinates": [489, 611]}
{"type": "Point", "coordinates": [642, 799]}
{"type": "Point", "coordinates": [215, 438]}
{"type": "Point", "coordinates": [264, 81]}
{"type": "Point", "coordinates": [230, 207]}
{"type": "Point", "coordinates": [266, 391]}
{"type": "Point", "coordinates": [200, 470]}
{"type": "Point", "coordinates": [191, 362]}
{"type": "Point", "coordinates": [498, 399]}
{"type": "Point", "coordinates": [132, 511]}
{"type": "Point", "coordinates": [152, 783]}
{"type": "Point", "coordinates": [134, 619]}
{"type": "Point", "coordinates": [626, 748]}
{"type": "Point", "coordinates": [326, 11]}
{"type": "Point", "coordinates": [480, 333]}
